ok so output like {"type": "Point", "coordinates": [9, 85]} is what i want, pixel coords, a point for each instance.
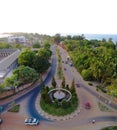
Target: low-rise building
{"type": "Point", "coordinates": [16, 39]}
{"type": "Point", "coordinates": [8, 61]}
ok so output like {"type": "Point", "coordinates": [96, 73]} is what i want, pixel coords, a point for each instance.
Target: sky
{"type": "Point", "coordinates": [59, 16]}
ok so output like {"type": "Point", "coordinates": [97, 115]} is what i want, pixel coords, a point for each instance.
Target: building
{"type": "Point", "coordinates": [16, 39]}
{"type": "Point", "coordinates": [8, 61]}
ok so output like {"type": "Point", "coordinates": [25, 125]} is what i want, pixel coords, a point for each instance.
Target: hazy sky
{"type": "Point", "coordinates": [59, 16]}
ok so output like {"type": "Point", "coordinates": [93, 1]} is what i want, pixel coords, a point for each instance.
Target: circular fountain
{"type": "Point", "coordinates": [59, 94]}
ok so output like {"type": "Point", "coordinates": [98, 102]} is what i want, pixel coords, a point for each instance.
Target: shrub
{"type": "Point", "coordinates": [101, 88]}
{"type": "Point", "coordinates": [87, 74]}
{"type": "Point", "coordinates": [91, 84]}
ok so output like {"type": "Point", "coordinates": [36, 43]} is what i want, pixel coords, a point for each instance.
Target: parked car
{"type": "Point", "coordinates": [87, 105]}
{"type": "Point", "coordinates": [1, 121]}
{"type": "Point", "coordinates": [31, 121]}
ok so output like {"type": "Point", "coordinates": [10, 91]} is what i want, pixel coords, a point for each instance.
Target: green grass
{"type": "Point", "coordinates": [58, 110]}
{"type": "Point", "coordinates": [14, 109]}
{"type": "Point", "coordinates": [110, 128]}
{"type": "Point", "coordinates": [59, 69]}
{"type": "Point", "coordinates": [103, 107]}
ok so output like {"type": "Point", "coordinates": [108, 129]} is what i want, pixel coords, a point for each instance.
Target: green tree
{"type": "Point", "coordinates": [46, 45]}
{"type": "Point", "coordinates": [25, 74]}
{"type": "Point", "coordinates": [44, 53]}
{"type": "Point", "coordinates": [40, 64]}
{"type": "Point", "coordinates": [73, 86]}
{"type": "Point", "coordinates": [36, 45]}
{"type": "Point", "coordinates": [112, 90]}
{"type": "Point", "coordinates": [57, 38]}
{"type": "Point", "coordinates": [26, 58]}
{"type": "Point", "coordinates": [53, 82]}
{"type": "Point", "coordinates": [63, 84]}
{"type": "Point", "coordinates": [12, 82]}
{"type": "Point", "coordinates": [87, 74]}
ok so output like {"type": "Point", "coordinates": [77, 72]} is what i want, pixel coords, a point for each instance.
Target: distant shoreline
{"type": "Point", "coordinates": [87, 36]}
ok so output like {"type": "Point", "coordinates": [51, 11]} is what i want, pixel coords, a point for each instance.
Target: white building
{"type": "Point", "coordinates": [16, 39]}
{"type": "Point", "coordinates": [8, 61]}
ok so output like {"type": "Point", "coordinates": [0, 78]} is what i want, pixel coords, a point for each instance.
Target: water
{"type": "Point", "coordinates": [101, 36]}
{"type": "Point", "coordinates": [4, 35]}
{"type": "Point", "coordinates": [87, 36]}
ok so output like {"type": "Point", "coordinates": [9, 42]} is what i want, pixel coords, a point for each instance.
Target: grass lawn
{"type": "Point", "coordinates": [15, 108]}
{"type": "Point", "coordinates": [58, 110]}
{"type": "Point", "coordinates": [110, 128]}
{"type": "Point", "coordinates": [103, 107]}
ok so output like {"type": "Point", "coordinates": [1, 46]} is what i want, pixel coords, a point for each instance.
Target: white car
{"type": "Point", "coordinates": [31, 121]}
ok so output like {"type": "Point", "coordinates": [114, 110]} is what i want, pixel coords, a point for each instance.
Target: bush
{"type": "Point", "coordinates": [14, 109]}
{"type": "Point", "coordinates": [110, 128]}
{"type": "Point", "coordinates": [59, 108]}
{"type": "Point", "coordinates": [87, 74]}
{"type": "Point", "coordinates": [101, 88]}
{"type": "Point", "coordinates": [91, 84]}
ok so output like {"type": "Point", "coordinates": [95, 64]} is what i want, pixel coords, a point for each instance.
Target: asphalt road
{"type": "Point", "coordinates": [70, 72]}
{"type": "Point", "coordinates": [31, 109]}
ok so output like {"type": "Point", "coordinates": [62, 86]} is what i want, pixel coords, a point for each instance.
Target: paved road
{"type": "Point", "coordinates": [33, 94]}
{"type": "Point", "coordinates": [31, 109]}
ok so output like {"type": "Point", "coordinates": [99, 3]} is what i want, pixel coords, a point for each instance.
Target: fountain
{"type": "Point", "coordinates": [59, 94]}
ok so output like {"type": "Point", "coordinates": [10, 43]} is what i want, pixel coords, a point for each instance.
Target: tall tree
{"type": "Point", "coordinates": [25, 74]}
{"type": "Point", "coordinates": [57, 38]}
{"type": "Point", "coordinates": [26, 58]}
{"type": "Point", "coordinates": [53, 82]}
{"type": "Point", "coordinates": [73, 86]}
{"type": "Point", "coordinates": [63, 84]}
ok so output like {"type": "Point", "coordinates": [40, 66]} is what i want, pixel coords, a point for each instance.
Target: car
{"type": "Point", "coordinates": [31, 121]}
{"type": "Point", "coordinates": [77, 85]}
{"type": "Point", "coordinates": [1, 121]}
{"type": "Point", "coordinates": [87, 105]}
{"type": "Point", "coordinates": [70, 64]}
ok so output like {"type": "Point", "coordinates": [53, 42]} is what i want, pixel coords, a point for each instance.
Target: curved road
{"type": "Point", "coordinates": [31, 108]}
{"type": "Point", "coordinates": [35, 92]}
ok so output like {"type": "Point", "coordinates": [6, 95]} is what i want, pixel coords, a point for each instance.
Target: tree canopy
{"type": "Point", "coordinates": [95, 60]}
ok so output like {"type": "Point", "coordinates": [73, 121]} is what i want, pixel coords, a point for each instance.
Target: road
{"type": "Point", "coordinates": [73, 74]}
{"type": "Point", "coordinates": [84, 93]}
{"type": "Point", "coordinates": [33, 93]}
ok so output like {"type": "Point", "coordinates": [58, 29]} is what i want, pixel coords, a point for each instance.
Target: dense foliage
{"type": "Point", "coordinates": [22, 75]}
{"type": "Point", "coordinates": [110, 128]}
{"type": "Point", "coordinates": [95, 60]}
{"type": "Point", "coordinates": [4, 46]}
{"type": "Point", "coordinates": [39, 61]}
